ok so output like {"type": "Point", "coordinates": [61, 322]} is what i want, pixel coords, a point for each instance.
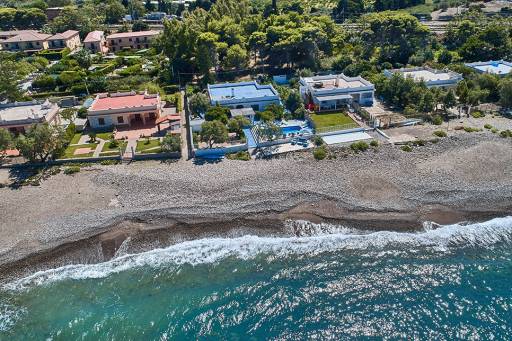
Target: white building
{"type": "Point", "coordinates": [331, 92]}
{"type": "Point", "coordinates": [243, 95]}
{"type": "Point", "coordinates": [494, 67]}
{"type": "Point", "coordinates": [431, 77]}
{"type": "Point", "coordinates": [17, 117]}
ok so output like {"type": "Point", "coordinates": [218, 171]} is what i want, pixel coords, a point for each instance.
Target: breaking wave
{"type": "Point", "coordinates": [313, 239]}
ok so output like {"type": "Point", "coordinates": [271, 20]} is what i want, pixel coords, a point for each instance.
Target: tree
{"type": "Point", "coordinates": [135, 9]}
{"type": "Point", "coordinates": [21, 18]}
{"type": "Point", "coordinates": [445, 57]}
{"type": "Point", "coordinates": [198, 103]}
{"type": "Point", "coordinates": [41, 142]}
{"type": "Point", "coordinates": [277, 110]}
{"type": "Point", "coordinates": [427, 102]}
{"type": "Point", "coordinates": [217, 113]}
{"type": "Point", "coordinates": [237, 123]}
{"type": "Point", "coordinates": [236, 57]}
{"type": "Point", "coordinates": [83, 57]}
{"type": "Point", "coordinates": [69, 114]}
{"type": "Point", "coordinates": [449, 100]}
{"type": "Point", "coordinates": [293, 101]}
{"type": "Point", "coordinates": [149, 6]}
{"type": "Point", "coordinates": [11, 72]}
{"type": "Point", "coordinates": [139, 26]}
{"type": "Point", "coordinates": [213, 132]}
{"type": "Point", "coordinates": [171, 143]}
{"type": "Point", "coordinates": [270, 130]}
{"type": "Point", "coordinates": [114, 12]}
{"type": "Point", "coordinates": [5, 141]}
{"type": "Point", "coordinates": [506, 93]}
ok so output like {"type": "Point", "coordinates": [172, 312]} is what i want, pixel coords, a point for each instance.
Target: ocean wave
{"type": "Point", "coordinates": [325, 239]}
{"type": "Point", "coordinates": [9, 314]}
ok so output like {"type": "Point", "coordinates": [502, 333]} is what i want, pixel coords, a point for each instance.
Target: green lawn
{"type": "Point", "coordinates": [69, 152]}
{"type": "Point", "coordinates": [147, 148]}
{"type": "Point", "coordinates": [330, 120]}
{"type": "Point", "coordinates": [107, 150]}
{"type": "Point", "coordinates": [104, 136]}
{"type": "Point", "coordinates": [76, 138]}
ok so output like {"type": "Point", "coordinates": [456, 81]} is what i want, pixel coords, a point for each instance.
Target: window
{"type": "Point", "coordinates": [120, 119]}
{"type": "Point", "coordinates": [138, 46]}
{"type": "Point", "coordinates": [129, 39]}
{"type": "Point", "coordinates": [120, 40]}
{"type": "Point", "coordinates": [147, 46]}
{"type": "Point", "coordinates": [101, 121]}
{"type": "Point", "coordinates": [37, 43]}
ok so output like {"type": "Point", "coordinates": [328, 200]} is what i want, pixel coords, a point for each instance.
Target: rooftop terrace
{"type": "Point", "coordinates": [21, 111]}
{"type": "Point", "coordinates": [495, 67]}
{"type": "Point", "coordinates": [329, 82]}
{"type": "Point", "coordinates": [243, 90]}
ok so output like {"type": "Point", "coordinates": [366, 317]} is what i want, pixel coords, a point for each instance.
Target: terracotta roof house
{"type": "Point", "coordinates": [9, 34]}
{"type": "Point", "coordinates": [29, 41]}
{"type": "Point", "coordinates": [69, 39]}
{"type": "Point", "coordinates": [96, 42]}
{"type": "Point", "coordinates": [18, 116]}
{"type": "Point", "coordinates": [131, 40]}
{"type": "Point", "coordinates": [124, 109]}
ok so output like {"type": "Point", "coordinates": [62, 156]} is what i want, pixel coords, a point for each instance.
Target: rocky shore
{"type": "Point", "coordinates": [87, 216]}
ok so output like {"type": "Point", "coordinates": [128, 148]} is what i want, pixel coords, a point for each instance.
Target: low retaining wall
{"type": "Point", "coordinates": [347, 131]}
{"type": "Point", "coordinates": [157, 156]}
{"type": "Point", "coordinates": [220, 151]}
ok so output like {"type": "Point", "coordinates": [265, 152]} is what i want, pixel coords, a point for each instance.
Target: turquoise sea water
{"type": "Point", "coordinates": [446, 283]}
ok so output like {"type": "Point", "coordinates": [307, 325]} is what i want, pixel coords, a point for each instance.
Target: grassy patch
{"type": "Point", "coordinates": [75, 138]}
{"type": "Point", "coordinates": [69, 152]}
{"type": "Point", "coordinates": [332, 120]}
{"type": "Point", "coordinates": [104, 136]}
{"type": "Point", "coordinates": [109, 149]}
{"type": "Point", "coordinates": [148, 146]}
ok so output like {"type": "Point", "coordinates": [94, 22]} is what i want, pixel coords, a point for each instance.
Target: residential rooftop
{"type": "Point", "coordinates": [64, 35]}
{"type": "Point", "coordinates": [428, 75]}
{"type": "Point", "coordinates": [93, 36]}
{"type": "Point", "coordinates": [242, 90]}
{"type": "Point", "coordinates": [332, 82]}
{"type": "Point", "coordinates": [11, 113]}
{"type": "Point", "coordinates": [133, 34]}
{"type": "Point", "coordinates": [124, 100]}
{"type": "Point", "coordinates": [27, 36]}
{"type": "Point", "coordinates": [495, 67]}
{"type": "Point", "coordinates": [8, 34]}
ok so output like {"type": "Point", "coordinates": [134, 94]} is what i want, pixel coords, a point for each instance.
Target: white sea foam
{"type": "Point", "coordinates": [9, 315]}
{"type": "Point", "coordinates": [212, 250]}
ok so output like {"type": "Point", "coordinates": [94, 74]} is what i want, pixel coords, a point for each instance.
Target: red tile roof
{"type": "Point", "coordinates": [128, 101]}
{"type": "Point", "coordinates": [93, 36]}
{"type": "Point", "coordinates": [133, 34]}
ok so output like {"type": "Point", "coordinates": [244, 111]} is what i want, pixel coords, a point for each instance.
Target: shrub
{"type": "Point", "coordinates": [113, 144]}
{"type": "Point", "coordinates": [477, 114]}
{"type": "Point", "coordinates": [471, 129]}
{"type": "Point", "coordinates": [72, 170]}
{"type": "Point", "coordinates": [440, 133]}
{"type": "Point", "coordinates": [488, 126]}
{"type": "Point", "coordinates": [437, 120]}
{"type": "Point", "coordinates": [406, 148]}
{"type": "Point", "coordinates": [360, 146]}
{"type": "Point", "coordinates": [109, 162]}
{"type": "Point", "coordinates": [241, 155]}
{"type": "Point", "coordinates": [374, 143]}
{"type": "Point", "coordinates": [318, 141]}
{"type": "Point", "coordinates": [506, 133]}
{"type": "Point", "coordinates": [420, 143]}
{"type": "Point", "coordinates": [494, 130]}
{"type": "Point", "coordinates": [320, 153]}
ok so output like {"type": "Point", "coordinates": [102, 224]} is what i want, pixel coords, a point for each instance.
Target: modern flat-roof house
{"type": "Point", "coordinates": [17, 117]}
{"type": "Point", "coordinates": [243, 95]}
{"type": "Point", "coordinates": [28, 41]}
{"type": "Point", "coordinates": [431, 77]}
{"type": "Point", "coordinates": [124, 109]}
{"type": "Point", "coordinates": [131, 40]}
{"type": "Point", "coordinates": [69, 39]}
{"type": "Point", "coordinates": [494, 67]}
{"type": "Point", "coordinates": [96, 42]}
{"type": "Point", "coordinates": [331, 92]}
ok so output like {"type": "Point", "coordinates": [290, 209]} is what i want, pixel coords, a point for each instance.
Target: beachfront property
{"type": "Point", "coordinates": [131, 40]}
{"type": "Point", "coordinates": [69, 39]}
{"type": "Point", "coordinates": [243, 95]}
{"type": "Point", "coordinates": [124, 109]}
{"type": "Point", "coordinates": [25, 41]}
{"type": "Point", "coordinates": [330, 92]}
{"type": "Point", "coordinates": [18, 116]}
{"type": "Point", "coordinates": [431, 77]}
{"type": "Point", "coordinates": [494, 67]}
{"type": "Point", "coordinates": [96, 42]}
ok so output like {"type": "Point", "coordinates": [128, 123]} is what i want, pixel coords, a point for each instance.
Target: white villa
{"type": "Point", "coordinates": [431, 77]}
{"type": "Point", "coordinates": [124, 109]}
{"type": "Point", "coordinates": [331, 92]}
{"type": "Point", "coordinates": [243, 95]}
{"type": "Point", "coordinates": [18, 116]}
{"type": "Point", "coordinates": [494, 67]}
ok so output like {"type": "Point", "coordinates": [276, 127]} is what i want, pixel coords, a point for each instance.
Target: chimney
{"type": "Point", "coordinates": [232, 92]}
{"type": "Point", "coordinates": [337, 84]}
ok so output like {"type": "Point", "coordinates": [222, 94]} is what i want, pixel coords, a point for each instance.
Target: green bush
{"type": "Point", "coordinates": [318, 141]}
{"type": "Point", "coordinates": [494, 130]}
{"type": "Point", "coordinates": [488, 126]}
{"type": "Point", "coordinates": [420, 143]}
{"type": "Point", "coordinates": [241, 155]}
{"type": "Point", "coordinates": [72, 170]}
{"type": "Point", "coordinates": [506, 133]}
{"type": "Point", "coordinates": [320, 153]}
{"type": "Point", "coordinates": [113, 144]}
{"type": "Point", "coordinates": [471, 129]}
{"type": "Point", "coordinates": [374, 143]}
{"type": "Point", "coordinates": [359, 146]}
{"type": "Point", "coordinates": [440, 133]}
{"type": "Point", "coordinates": [477, 114]}
{"type": "Point", "coordinates": [406, 148]}
{"type": "Point", "coordinates": [437, 120]}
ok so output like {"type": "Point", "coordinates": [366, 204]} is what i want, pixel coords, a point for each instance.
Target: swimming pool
{"type": "Point", "coordinates": [294, 130]}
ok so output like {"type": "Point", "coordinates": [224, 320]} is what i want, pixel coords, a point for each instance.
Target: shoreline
{"type": "Point", "coordinates": [87, 216]}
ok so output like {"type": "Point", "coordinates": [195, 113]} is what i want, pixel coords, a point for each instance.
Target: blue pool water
{"type": "Point", "coordinates": [445, 283]}
{"type": "Point", "coordinates": [291, 129]}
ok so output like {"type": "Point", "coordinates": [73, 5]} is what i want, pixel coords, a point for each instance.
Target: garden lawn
{"type": "Point", "coordinates": [104, 136]}
{"type": "Point", "coordinates": [75, 138]}
{"type": "Point", "coordinates": [143, 147]}
{"type": "Point", "coordinates": [69, 152]}
{"type": "Point", "coordinates": [107, 150]}
{"type": "Point", "coordinates": [330, 120]}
